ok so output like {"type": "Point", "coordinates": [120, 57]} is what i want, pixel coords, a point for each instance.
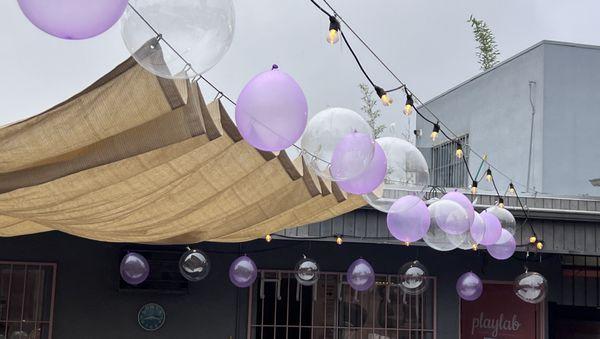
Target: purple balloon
{"type": "Point", "coordinates": [271, 111]}
{"type": "Point", "coordinates": [371, 178]}
{"type": "Point", "coordinates": [242, 272]}
{"type": "Point", "coordinates": [360, 275]}
{"type": "Point", "coordinates": [504, 248]}
{"type": "Point", "coordinates": [134, 268]}
{"type": "Point", "coordinates": [462, 200]}
{"type": "Point", "coordinates": [469, 286]}
{"type": "Point", "coordinates": [450, 216]}
{"type": "Point", "coordinates": [352, 156]}
{"type": "Point", "coordinates": [492, 231]}
{"type": "Point", "coordinates": [408, 219]}
{"type": "Point", "coordinates": [73, 19]}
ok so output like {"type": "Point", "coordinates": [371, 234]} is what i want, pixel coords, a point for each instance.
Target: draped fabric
{"type": "Point", "coordinates": [137, 158]}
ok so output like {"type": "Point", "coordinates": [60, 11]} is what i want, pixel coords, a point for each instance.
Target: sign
{"type": "Point", "coordinates": [498, 314]}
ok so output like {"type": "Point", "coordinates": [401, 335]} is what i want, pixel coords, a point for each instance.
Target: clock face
{"type": "Point", "coordinates": [151, 317]}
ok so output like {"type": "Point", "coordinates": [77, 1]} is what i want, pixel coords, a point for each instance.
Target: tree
{"type": "Point", "coordinates": [369, 107]}
{"type": "Point", "coordinates": [487, 51]}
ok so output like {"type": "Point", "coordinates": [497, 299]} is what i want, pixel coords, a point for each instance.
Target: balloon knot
{"type": "Point", "coordinates": [274, 67]}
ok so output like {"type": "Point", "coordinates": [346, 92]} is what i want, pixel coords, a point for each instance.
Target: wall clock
{"type": "Point", "coordinates": [151, 317]}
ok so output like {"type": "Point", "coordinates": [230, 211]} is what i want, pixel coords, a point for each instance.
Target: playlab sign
{"type": "Point", "coordinates": [498, 314]}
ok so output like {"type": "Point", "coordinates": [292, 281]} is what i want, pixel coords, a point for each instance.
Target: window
{"type": "Point", "coordinates": [447, 169]}
{"type": "Point", "coordinates": [282, 309]}
{"type": "Point", "coordinates": [580, 280]}
{"type": "Point", "coordinates": [26, 300]}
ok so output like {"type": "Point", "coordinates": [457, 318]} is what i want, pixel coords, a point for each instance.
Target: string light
{"type": "Point", "coordinates": [488, 175]}
{"type": "Point", "coordinates": [500, 202]}
{"type": "Point", "coordinates": [339, 240]}
{"type": "Point", "coordinates": [333, 36]}
{"type": "Point", "coordinates": [532, 239]}
{"type": "Point", "coordinates": [435, 132]}
{"type": "Point", "coordinates": [459, 151]}
{"type": "Point", "coordinates": [409, 105]}
{"type": "Point", "coordinates": [268, 238]}
{"type": "Point", "coordinates": [511, 188]}
{"type": "Point", "coordinates": [474, 247]}
{"type": "Point", "coordinates": [540, 245]}
{"type": "Point", "coordinates": [474, 187]}
{"type": "Point", "coordinates": [384, 96]}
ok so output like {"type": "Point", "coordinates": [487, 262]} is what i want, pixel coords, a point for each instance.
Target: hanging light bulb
{"type": "Point", "coordinates": [488, 175]}
{"type": "Point", "coordinates": [539, 245]}
{"type": "Point", "coordinates": [435, 132]}
{"type": "Point", "coordinates": [500, 202]}
{"type": "Point", "coordinates": [474, 187]}
{"type": "Point", "coordinates": [268, 238]}
{"type": "Point", "coordinates": [532, 239]}
{"type": "Point", "coordinates": [474, 247]}
{"type": "Point", "coordinates": [384, 96]}
{"type": "Point", "coordinates": [333, 36]}
{"type": "Point", "coordinates": [459, 151]}
{"type": "Point", "coordinates": [339, 240]}
{"type": "Point", "coordinates": [409, 106]}
{"type": "Point", "coordinates": [511, 188]}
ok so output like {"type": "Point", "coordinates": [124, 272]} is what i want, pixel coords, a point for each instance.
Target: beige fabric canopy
{"type": "Point", "coordinates": [137, 158]}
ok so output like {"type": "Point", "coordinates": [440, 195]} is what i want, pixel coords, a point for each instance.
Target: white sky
{"type": "Point", "coordinates": [427, 42]}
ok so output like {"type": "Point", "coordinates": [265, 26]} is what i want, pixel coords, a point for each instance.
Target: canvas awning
{"type": "Point", "coordinates": [137, 158]}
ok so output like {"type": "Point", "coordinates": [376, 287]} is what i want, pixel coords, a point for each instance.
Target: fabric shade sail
{"type": "Point", "coordinates": [137, 158]}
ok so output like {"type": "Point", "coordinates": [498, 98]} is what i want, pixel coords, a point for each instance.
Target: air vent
{"type": "Point", "coordinates": [164, 272]}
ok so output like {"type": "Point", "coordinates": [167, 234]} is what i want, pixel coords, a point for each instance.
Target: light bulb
{"type": "Point", "coordinates": [532, 239]}
{"type": "Point", "coordinates": [268, 238]}
{"type": "Point", "coordinates": [540, 245]}
{"type": "Point", "coordinates": [474, 247]}
{"type": "Point", "coordinates": [384, 96]}
{"type": "Point", "coordinates": [407, 243]}
{"type": "Point", "coordinates": [459, 151]}
{"type": "Point", "coordinates": [333, 36]}
{"type": "Point", "coordinates": [488, 175]}
{"type": "Point", "coordinates": [435, 132]}
{"type": "Point", "coordinates": [474, 187]}
{"type": "Point", "coordinates": [339, 240]}
{"type": "Point", "coordinates": [409, 106]}
{"type": "Point", "coordinates": [501, 203]}
{"type": "Point", "coordinates": [511, 188]}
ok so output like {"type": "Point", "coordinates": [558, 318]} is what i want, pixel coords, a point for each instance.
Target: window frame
{"type": "Point", "coordinates": [446, 169]}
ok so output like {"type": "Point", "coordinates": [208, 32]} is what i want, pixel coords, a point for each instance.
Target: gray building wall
{"type": "Point", "coordinates": [494, 109]}
{"type": "Point", "coordinates": [88, 304]}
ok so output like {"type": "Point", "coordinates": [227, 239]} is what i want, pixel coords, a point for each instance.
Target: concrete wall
{"type": "Point", "coordinates": [89, 305]}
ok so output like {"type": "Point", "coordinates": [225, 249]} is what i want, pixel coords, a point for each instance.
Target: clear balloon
{"type": "Point", "coordinates": [360, 275]}
{"type": "Point", "coordinates": [463, 241]}
{"type": "Point", "coordinates": [408, 219]}
{"type": "Point", "coordinates": [73, 19]}
{"type": "Point", "coordinates": [436, 238]}
{"type": "Point", "coordinates": [134, 268]}
{"type": "Point", "coordinates": [469, 286]}
{"type": "Point", "coordinates": [194, 265]}
{"type": "Point", "coordinates": [200, 31]}
{"type": "Point", "coordinates": [348, 159]}
{"type": "Point", "coordinates": [325, 131]}
{"type": "Point", "coordinates": [307, 272]}
{"type": "Point", "coordinates": [407, 173]}
{"type": "Point", "coordinates": [243, 272]}
{"type": "Point", "coordinates": [413, 279]}
{"type": "Point", "coordinates": [489, 233]}
{"type": "Point", "coordinates": [504, 248]}
{"type": "Point", "coordinates": [531, 287]}
{"type": "Point", "coordinates": [450, 216]}
{"type": "Point", "coordinates": [271, 111]}
{"type": "Point", "coordinates": [507, 220]}
{"type": "Point", "coordinates": [371, 178]}
{"type": "Point", "coordinates": [463, 201]}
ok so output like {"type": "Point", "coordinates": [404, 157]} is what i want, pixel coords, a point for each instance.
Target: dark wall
{"type": "Point", "coordinates": [89, 304]}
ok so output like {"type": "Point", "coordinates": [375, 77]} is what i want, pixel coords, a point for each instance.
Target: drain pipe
{"type": "Point", "coordinates": [531, 87]}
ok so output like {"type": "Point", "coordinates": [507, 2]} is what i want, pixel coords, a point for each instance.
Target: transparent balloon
{"type": "Point", "coordinates": [504, 248]}
{"type": "Point", "coordinates": [347, 161]}
{"type": "Point", "coordinates": [463, 201]}
{"type": "Point", "coordinates": [413, 279]}
{"type": "Point", "coordinates": [408, 219]}
{"type": "Point", "coordinates": [360, 275]}
{"type": "Point", "coordinates": [507, 220]}
{"type": "Point", "coordinates": [194, 265]}
{"type": "Point", "coordinates": [307, 272]}
{"type": "Point", "coordinates": [243, 272]}
{"type": "Point", "coordinates": [407, 173]}
{"type": "Point", "coordinates": [469, 286]}
{"type": "Point", "coordinates": [198, 32]}
{"type": "Point", "coordinates": [325, 131]}
{"type": "Point", "coordinates": [465, 241]}
{"type": "Point", "coordinates": [450, 217]}
{"type": "Point", "coordinates": [436, 238]}
{"type": "Point", "coordinates": [531, 287]}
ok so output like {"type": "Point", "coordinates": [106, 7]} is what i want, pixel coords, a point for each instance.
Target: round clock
{"type": "Point", "coordinates": [151, 317]}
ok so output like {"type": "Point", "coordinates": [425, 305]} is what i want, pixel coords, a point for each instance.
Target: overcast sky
{"type": "Point", "coordinates": [428, 43]}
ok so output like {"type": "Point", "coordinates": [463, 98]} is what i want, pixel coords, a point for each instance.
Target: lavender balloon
{"type": "Point", "coordinates": [504, 248]}
{"type": "Point", "coordinates": [350, 154]}
{"type": "Point", "coordinates": [490, 232]}
{"type": "Point", "coordinates": [451, 217]}
{"type": "Point", "coordinates": [360, 275]}
{"type": "Point", "coordinates": [408, 219]}
{"type": "Point", "coordinates": [242, 272]}
{"type": "Point", "coordinates": [134, 268]}
{"type": "Point", "coordinates": [371, 178]}
{"type": "Point", "coordinates": [469, 286]}
{"type": "Point", "coordinates": [271, 111]}
{"type": "Point", "coordinates": [462, 200]}
{"type": "Point", "coordinates": [73, 19]}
